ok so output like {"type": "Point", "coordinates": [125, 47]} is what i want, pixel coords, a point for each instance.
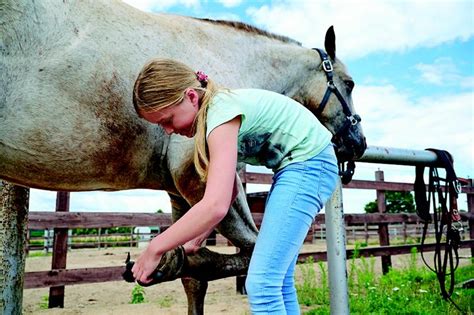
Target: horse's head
{"type": "Point", "coordinates": [328, 95]}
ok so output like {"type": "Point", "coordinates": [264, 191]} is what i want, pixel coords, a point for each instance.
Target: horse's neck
{"type": "Point", "coordinates": [252, 60]}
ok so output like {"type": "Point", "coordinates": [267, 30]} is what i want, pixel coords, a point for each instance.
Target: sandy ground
{"type": "Point", "coordinates": [165, 298]}
{"type": "Point", "coordinates": [114, 297]}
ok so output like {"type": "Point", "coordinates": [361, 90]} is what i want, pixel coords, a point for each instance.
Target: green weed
{"type": "Point", "coordinates": [38, 254]}
{"type": "Point", "coordinates": [166, 301]}
{"type": "Point", "coordinates": [309, 292]}
{"type": "Point", "coordinates": [138, 295]}
{"type": "Point", "coordinates": [44, 304]}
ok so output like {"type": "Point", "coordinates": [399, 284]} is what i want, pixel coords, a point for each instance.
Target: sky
{"type": "Point", "coordinates": [412, 61]}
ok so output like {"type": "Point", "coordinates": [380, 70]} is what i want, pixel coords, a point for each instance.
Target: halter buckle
{"type": "Point", "coordinates": [327, 65]}
{"type": "Point", "coordinates": [353, 119]}
{"type": "Point", "coordinates": [457, 186]}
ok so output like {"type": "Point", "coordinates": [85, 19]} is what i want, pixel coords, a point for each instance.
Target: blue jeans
{"type": "Point", "coordinates": [298, 193]}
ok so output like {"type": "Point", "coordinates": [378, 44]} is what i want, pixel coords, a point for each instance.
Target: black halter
{"type": "Point", "coordinates": [346, 173]}
{"type": "Point", "coordinates": [351, 120]}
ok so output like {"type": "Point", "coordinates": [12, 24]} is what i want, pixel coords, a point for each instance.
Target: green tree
{"type": "Point", "coordinates": [396, 202]}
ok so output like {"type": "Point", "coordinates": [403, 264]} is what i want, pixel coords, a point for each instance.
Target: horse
{"type": "Point", "coordinates": [67, 121]}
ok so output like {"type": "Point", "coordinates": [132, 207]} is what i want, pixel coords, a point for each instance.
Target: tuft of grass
{"type": "Point", "coordinates": [44, 304]}
{"type": "Point", "coordinates": [409, 290]}
{"type": "Point", "coordinates": [309, 292]}
{"type": "Point", "coordinates": [166, 301]}
{"type": "Point", "coordinates": [138, 295]}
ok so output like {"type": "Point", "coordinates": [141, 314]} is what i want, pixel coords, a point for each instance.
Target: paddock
{"type": "Point", "coordinates": [167, 298]}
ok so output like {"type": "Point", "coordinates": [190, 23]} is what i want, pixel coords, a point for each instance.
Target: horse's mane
{"type": "Point", "coordinates": [251, 29]}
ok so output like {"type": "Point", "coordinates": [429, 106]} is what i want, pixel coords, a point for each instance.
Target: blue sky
{"type": "Point", "coordinates": [412, 62]}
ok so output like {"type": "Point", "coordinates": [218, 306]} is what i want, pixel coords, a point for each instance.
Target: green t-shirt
{"type": "Point", "coordinates": [275, 130]}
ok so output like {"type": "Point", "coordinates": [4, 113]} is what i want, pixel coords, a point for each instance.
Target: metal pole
{"type": "Point", "coordinates": [336, 251]}
{"type": "Point", "coordinates": [13, 230]}
{"type": "Point", "coordinates": [385, 155]}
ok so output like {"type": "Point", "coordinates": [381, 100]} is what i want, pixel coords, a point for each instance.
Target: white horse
{"type": "Point", "coordinates": [67, 121]}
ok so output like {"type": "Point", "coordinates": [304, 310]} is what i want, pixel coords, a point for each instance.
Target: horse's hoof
{"type": "Point", "coordinates": [170, 268]}
{"type": "Point", "coordinates": [127, 275]}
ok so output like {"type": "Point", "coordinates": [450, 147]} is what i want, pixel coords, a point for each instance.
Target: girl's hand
{"type": "Point", "coordinates": [145, 266]}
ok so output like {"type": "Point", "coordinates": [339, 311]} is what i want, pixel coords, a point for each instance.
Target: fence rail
{"type": "Point", "coordinates": [61, 277]}
{"type": "Point", "coordinates": [357, 225]}
{"type": "Point", "coordinates": [366, 232]}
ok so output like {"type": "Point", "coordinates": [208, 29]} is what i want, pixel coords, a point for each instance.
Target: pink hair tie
{"type": "Point", "coordinates": [202, 77]}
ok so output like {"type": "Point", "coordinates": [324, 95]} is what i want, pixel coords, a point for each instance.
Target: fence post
{"type": "Point", "coordinates": [470, 208]}
{"type": "Point", "coordinates": [46, 240]}
{"type": "Point", "coordinates": [56, 294]}
{"type": "Point", "coordinates": [105, 238]}
{"type": "Point", "coordinates": [99, 233]}
{"type": "Point", "coordinates": [27, 246]}
{"type": "Point", "coordinates": [13, 228]}
{"type": "Point", "coordinates": [405, 234]}
{"type": "Point", "coordinates": [366, 230]}
{"type": "Point", "coordinates": [336, 253]}
{"type": "Point", "coordinates": [384, 237]}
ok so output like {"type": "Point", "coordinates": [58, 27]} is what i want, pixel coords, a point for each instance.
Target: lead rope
{"type": "Point", "coordinates": [443, 218]}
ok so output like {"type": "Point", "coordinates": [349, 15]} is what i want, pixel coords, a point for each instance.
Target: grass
{"type": "Point", "coordinates": [166, 301]}
{"type": "Point", "coordinates": [410, 290]}
{"type": "Point", "coordinates": [138, 295]}
{"type": "Point", "coordinates": [44, 302]}
{"type": "Point", "coordinates": [41, 253]}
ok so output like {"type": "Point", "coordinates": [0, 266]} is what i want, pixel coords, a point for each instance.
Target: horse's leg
{"type": "Point", "coordinates": [195, 293]}
{"type": "Point", "coordinates": [238, 225]}
{"type": "Point", "coordinates": [195, 289]}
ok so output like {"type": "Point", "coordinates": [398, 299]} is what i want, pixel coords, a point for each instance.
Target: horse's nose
{"type": "Point", "coordinates": [361, 149]}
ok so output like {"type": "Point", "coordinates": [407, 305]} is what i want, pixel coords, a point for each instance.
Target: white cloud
{"type": "Point", "coordinates": [367, 26]}
{"type": "Point", "coordinates": [444, 72]}
{"type": "Point", "coordinates": [224, 16]}
{"type": "Point", "coordinates": [161, 5]}
{"type": "Point", "coordinates": [230, 3]}
{"type": "Point", "coordinates": [391, 118]}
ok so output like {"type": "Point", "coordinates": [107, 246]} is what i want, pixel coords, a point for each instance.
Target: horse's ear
{"type": "Point", "coordinates": [330, 43]}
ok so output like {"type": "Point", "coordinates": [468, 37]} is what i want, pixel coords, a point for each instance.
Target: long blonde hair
{"type": "Point", "coordinates": [162, 83]}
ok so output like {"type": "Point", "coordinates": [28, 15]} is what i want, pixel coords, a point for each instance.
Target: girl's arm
{"type": "Point", "coordinates": [193, 245]}
{"type": "Point", "coordinates": [207, 213]}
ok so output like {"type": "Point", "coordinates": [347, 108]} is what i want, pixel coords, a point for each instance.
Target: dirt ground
{"type": "Point", "coordinates": [114, 297]}
{"type": "Point", "coordinates": [165, 298]}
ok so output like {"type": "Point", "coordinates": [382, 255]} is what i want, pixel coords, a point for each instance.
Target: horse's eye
{"type": "Point", "coordinates": [349, 84]}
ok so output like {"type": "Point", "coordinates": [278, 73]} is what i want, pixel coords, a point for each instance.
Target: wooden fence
{"type": "Point", "coordinates": [61, 221]}
{"type": "Point", "coordinates": [364, 234]}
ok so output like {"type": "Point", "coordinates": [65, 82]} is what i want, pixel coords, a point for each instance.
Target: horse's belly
{"type": "Point", "coordinates": [60, 168]}
{"type": "Point", "coordinates": [67, 151]}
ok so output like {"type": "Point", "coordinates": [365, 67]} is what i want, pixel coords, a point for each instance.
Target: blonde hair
{"type": "Point", "coordinates": [162, 83]}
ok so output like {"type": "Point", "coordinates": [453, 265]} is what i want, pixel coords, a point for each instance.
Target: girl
{"type": "Point", "coordinates": [256, 127]}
